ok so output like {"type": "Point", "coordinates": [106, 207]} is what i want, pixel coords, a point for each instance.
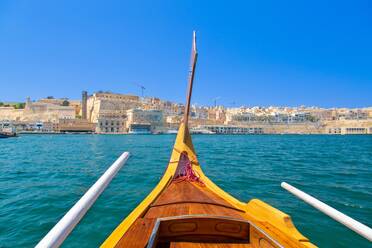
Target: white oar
{"type": "Point", "coordinates": [62, 229]}
{"type": "Point", "coordinates": [352, 224]}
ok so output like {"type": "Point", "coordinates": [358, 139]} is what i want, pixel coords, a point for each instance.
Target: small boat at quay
{"type": "Point", "coordinates": [7, 130]}
{"type": "Point", "coordinates": [199, 130]}
{"type": "Point", "coordinates": [7, 135]}
{"type": "Point", "coordinates": [187, 210]}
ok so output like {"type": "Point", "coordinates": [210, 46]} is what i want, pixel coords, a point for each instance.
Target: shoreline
{"type": "Point", "coordinates": [218, 134]}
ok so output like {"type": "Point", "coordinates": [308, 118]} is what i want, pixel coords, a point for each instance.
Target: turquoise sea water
{"type": "Point", "coordinates": [42, 176]}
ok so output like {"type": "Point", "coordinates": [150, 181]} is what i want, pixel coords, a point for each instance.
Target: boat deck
{"type": "Point", "coordinates": [186, 198]}
{"type": "Point", "coordinates": [179, 199]}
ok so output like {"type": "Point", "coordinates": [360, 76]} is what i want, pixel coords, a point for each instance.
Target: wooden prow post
{"type": "Point", "coordinates": [194, 56]}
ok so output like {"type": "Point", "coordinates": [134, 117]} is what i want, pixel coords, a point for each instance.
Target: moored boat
{"type": "Point", "coordinates": [171, 131]}
{"type": "Point", "coordinates": [7, 135]}
{"type": "Point", "coordinates": [7, 130]}
{"type": "Point", "coordinates": [199, 130]}
{"type": "Point", "coordinates": [186, 209]}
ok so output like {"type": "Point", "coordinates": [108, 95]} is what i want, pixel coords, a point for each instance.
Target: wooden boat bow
{"type": "Point", "coordinates": [186, 209]}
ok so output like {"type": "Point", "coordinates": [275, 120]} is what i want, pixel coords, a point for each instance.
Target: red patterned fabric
{"type": "Point", "coordinates": [185, 172]}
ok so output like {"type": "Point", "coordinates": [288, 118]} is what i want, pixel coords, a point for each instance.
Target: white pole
{"type": "Point", "coordinates": [62, 229]}
{"type": "Point", "coordinates": [354, 225]}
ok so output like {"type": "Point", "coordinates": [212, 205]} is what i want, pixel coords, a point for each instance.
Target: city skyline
{"type": "Point", "coordinates": [211, 105]}
{"type": "Point", "coordinates": [107, 112]}
{"type": "Point", "coordinates": [319, 57]}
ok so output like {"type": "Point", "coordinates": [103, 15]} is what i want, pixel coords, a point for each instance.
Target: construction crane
{"type": "Point", "coordinates": [142, 89]}
{"type": "Point", "coordinates": [215, 100]}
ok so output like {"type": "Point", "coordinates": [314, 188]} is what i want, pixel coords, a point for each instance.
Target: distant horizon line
{"type": "Point", "coordinates": [193, 104]}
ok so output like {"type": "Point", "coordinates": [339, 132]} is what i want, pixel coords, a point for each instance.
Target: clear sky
{"type": "Point", "coordinates": [285, 53]}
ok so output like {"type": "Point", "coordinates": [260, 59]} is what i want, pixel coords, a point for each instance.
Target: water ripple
{"type": "Point", "coordinates": [41, 177]}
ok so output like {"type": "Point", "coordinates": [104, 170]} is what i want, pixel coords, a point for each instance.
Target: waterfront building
{"type": "Point", "coordinates": [322, 114]}
{"type": "Point", "coordinates": [354, 130]}
{"type": "Point", "coordinates": [217, 115]}
{"type": "Point", "coordinates": [211, 114]}
{"type": "Point", "coordinates": [51, 127]}
{"type": "Point", "coordinates": [136, 128]}
{"type": "Point", "coordinates": [232, 117]}
{"type": "Point", "coordinates": [75, 125]}
{"type": "Point", "coordinates": [37, 127]}
{"type": "Point", "coordinates": [299, 117]}
{"type": "Point", "coordinates": [154, 118]}
{"type": "Point", "coordinates": [270, 115]}
{"type": "Point", "coordinates": [30, 126]}
{"type": "Point", "coordinates": [200, 113]}
{"type": "Point", "coordinates": [172, 122]}
{"type": "Point", "coordinates": [279, 117]}
{"type": "Point", "coordinates": [37, 111]}
{"type": "Point", "coordinates": [168, 108]}
{"type": "Point", "coordinates": [369, 112]}
{"type": "Point", "coordinates": [348, 126]}
{"type": "Point", "coordinates": [220, 115]}
{"type": "Point", "coordinates": [10, 113]}
{"type": "Point", "coordinates": [76, 104]}
{"type": "Point", "coordinates": [110, 125]}
{"type": "Point", "coordinates": [334, 130]}
{"type": "Point", "coordinates": [55, 101]}
{"type": "Point", "coordinates": [227, 129]}
{"type": "Point", "coordinates": [105, 105]}
{"type": "Point", "coordinates": [46, 112]}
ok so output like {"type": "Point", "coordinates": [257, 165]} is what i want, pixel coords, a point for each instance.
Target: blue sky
{"type": "Point", "coordinates": [285, 53]}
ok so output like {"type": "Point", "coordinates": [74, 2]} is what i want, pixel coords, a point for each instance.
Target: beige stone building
{"type": "Point", "coordinates": [10, 113]}
{"type": "Point", "coordinates": [172, 121]}
{"type": "Point", "coordinates": [111, 125]}
{"type": "Point", "coordinates": [52, 100]}
{"type": "Point", "coordinates": [109, 111]}
{"type": "Point", "coordinates": [38, 112]}
{"type": "Point", "coordinates": [46, 112]}
{"type": "Point", "coordinates": [75, 125]}
{"type": "Point", "coordinates": [110, 106]}
{"type": "Point", "coordinates": [348, 127]}
{"type": "Point", "coordinates": [168, 108]}
{"type": "Point", "coordinates": [76, 104]}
